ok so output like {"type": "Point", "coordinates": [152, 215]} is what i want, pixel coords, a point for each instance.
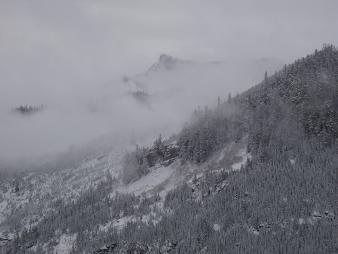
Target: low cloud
{"type": "Point", "coordinates": [70, 57]}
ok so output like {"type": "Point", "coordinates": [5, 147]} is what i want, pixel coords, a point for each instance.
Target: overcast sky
{"type": "Point", "coordinates": [45, 43]}
{"type": "Point", "coordinates": [93, 37]}
{"type": "Point", "coordinates": [61, 49]}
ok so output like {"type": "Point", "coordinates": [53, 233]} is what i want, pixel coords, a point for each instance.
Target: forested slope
{"type": "Point", "coordinates": [282, 200]}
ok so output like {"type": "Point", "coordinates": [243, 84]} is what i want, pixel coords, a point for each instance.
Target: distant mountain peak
{"type": "Point", "coordinates": [165, 63]}
{"type": "Point", "coordinates": [164, 58]}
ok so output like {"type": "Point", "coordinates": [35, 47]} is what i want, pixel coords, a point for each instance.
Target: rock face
{"type": "Point", "coordinates": [163, 154]}
{"type": "Point", "coordinates": [138, 86]}
{"type": "Point", "coordinates": [137, 163]}
{"type": "Point", "coordinates": [141, 96]}
{"type": "Point", "coordinates": [165, 63]}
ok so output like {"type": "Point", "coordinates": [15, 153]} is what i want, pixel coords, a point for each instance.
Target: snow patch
{"type": "Point", "coordinates": [301, 221]}
{"type": "Point", "coordinates": [122, 222]}
{"type": "Point", "coordinates": [243, 153]}
{"type": "Point", "coordinates": [223, 152]}
{"type": "Point", "coordinates": [65, 244]}
{"type": "Point", "coordinates": [106, 227]}
{"type": "Point", "coordinates": [216, 227]}
{"type": "Point", "coordinates": [253, 231]}
{"type": "Point", "coordinates": [148, 182]}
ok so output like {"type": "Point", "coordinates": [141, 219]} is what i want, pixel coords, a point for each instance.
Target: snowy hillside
{"type": "Point", "coordinates": [28, 199]}
{"type": "Point", "coordinates": [244, 175]}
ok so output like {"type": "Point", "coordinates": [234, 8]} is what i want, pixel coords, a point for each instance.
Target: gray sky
{"type": "Point", "coordinates": [59, 52]}
{"type": "Point", "coordinates": [92, 37]}
{"type": "Point", "coordinates": [45, 43]}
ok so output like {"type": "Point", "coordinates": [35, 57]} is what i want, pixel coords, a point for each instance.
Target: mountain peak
{"type": "Point", "coordinates": [166, 58]}
{"type": "Point", "coordinates": [165, 63]}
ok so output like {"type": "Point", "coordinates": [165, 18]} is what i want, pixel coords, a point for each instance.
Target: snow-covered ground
{"type": "Point", "coordinates": [244, 155]}
{"type": "Point", "coordinates": [65, 244]}
{"type": "Point", "coordinates": [234, 155]}
{"type": "Point", "coordinates": [157, 176]}
{"type": "Point", "coordinates": [35, 192]}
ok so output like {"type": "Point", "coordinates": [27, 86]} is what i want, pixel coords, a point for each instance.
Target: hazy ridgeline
{"type": "Point", "coordinates": [73, 63]}
{"type": "Point", "coordinates": [102, 116]}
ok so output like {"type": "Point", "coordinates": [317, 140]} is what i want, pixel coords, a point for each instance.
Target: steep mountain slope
{"type": "Point", "coordinates": [284, 199]}
{"type": "Point", "coordinates": [256, 174]}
